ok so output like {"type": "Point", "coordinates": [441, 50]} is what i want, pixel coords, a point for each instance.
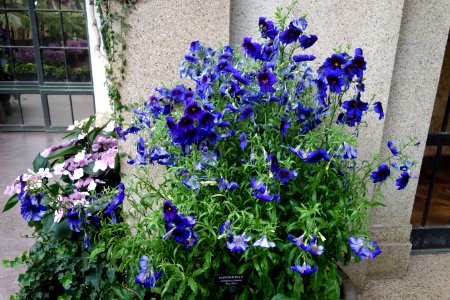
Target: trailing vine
{"type": "Point", "coordinates": [113, 29]}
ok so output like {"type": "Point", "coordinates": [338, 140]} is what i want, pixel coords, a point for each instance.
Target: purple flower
{"type": "Point", "coordinates": [252, 50]}
{"type": "Point", "coordinates": [349, 152]}
{"type": "Point", "coordinates": [225, 227]}
{"type": "Point", "coordinates": [378, 108]}
{"type": "Point", "coordinates": [307, 41]}
{"type": "Point", "coordinates": [296, 241]}
{"type": "Point", "coordinates": [334, 63]}
{"type": "Point", "coordinates": [145, 277]}
{"type": "Point", "coordinates": [243, 141]}
{"type": "Point", "coordinates": [239, 243]}
{"type": "Point", "coordinates": [381, 174]}
{"type": "Point", "coordinates": [403, 180]}
{"type": "Point", "coordinates": [392, 148]}
{"type": "Point", "coordinates": [193, 110]}
{"type": "Point", "coordinates": [312, 246]}
{"type": "Point", "coordinates": [224, 185]}
{"type": "Point", "coordinates": [73, 218]}
{"type": "Point", "coordinates": [355, 109]}
{"type": "Point", "coordinates": [266, 80]}
{"type": "Point", "coordinates": [246, 112]}
{"type": "Point", "coordinates": [292, 33]}
{"type": "Point", "coordinates": [31, 208]}
{"type": "Point", "coordinates": [116, 200]}
{"type": "Point", "coordinates": [358, 247]}
{"type": "Point", "coordinates": [283, 175]}
{"type": "Point", "coordinates": [335, 82]}
{"type": "Point", "coordinates": [284, 126]}
{"type": "Point", "coordinates": [265, 196]}
{"type": "Point", "coordinates": [267, 28]}
{"type": "Point", "coordinates": [274, 166]}
{"type": "Point", "coordinates": [259, 187]}
{"type": "Point", "coordinates": [304, 269]}
{"type": "Point", "coordinates": [191, 182]}
{"type": "Point", "coordinates": [264, 243]}
{"type": "Point", "coordinates": [316, 156]}
{"type": "Point", "coordinates": [358, 62]}
{"type": "Point", "coordinates": [297, 151]}
{"type": "Point", "coordinates": [303, 57]}
{"type": "Point", "coordinates": [169, 210]}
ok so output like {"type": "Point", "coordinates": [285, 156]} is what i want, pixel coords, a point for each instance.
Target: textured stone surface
{"type": "Point", "coordinates": [427, 278]}
{"type": "Point", "coordinates": [391, 263]}
{"type": "Point", "coordinates": [245, 15]}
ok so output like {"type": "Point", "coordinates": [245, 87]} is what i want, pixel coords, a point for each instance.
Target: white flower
{"type": "Point", "coordinates": [79, 157]}
{"type": "Point", "coordinates": [92, 185]}
{"type": "Point", "coordinates": [44, 173]}
{"type": "Point", "coordinates": [100, 165]}
{"type": "Point", "coordinates": [58, 169]}
{"type": "Point", "coordinates": [263, 242]}
{"type": "Point", "coordinates": [77, 174]}
{"type": "Point", "coordinates": [110, 127]}
{"type": "Point", "coordinates": [58, 215]}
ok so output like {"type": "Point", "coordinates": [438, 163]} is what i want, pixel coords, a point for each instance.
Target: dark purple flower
{"type": "Point", "coordinates": [206, 120]}
{"type": "Point", "coordinates": [252, 50]}
{"type": "Point", "coordinates": [267, 28]}
{"type": "Point", "coordinates": [246, 112]}
{"type": "Point", "coordinates": [193, 110]}
{"type": "Point", "coordinates": [169, 210]}
{"type": "Point", "coordinates": [358, 62]}
{"type": "Point", "coordinates": [335, 82]}
{"type": "Point", "coordinates": [304, 269]}
{"type": "Point", "coordinates": [292, 33]}
{"type": "Point", "coordinates": [116, 200]}
{"type": "Point", "coordinates": [381, 174]}
{"type": "Point", "coordinates": [378, 108]}
{"type": "Point", "coordinates": [334, 63]}
{"type": "Point", "coordinates": [355, 109]}
{"type": "Point", "coordinates": [147, 277]}
{"type": "Point", "coordinates": [177, 93]}
{"type": "Point", "coordinates": [392, 148]}
{"type": "Point", "coordinates": [312, 246]}
{"type": "Point", "coordinates": [307, 41]}
{"type": "Point", "coordinates": [73, 219]}
{"type": "Point", "coordinates": [284, 175]}
{"type": "Point", "coordinates": [31, 208]}
{"type": "Point", "coordinates": [243, 141]}
{"type": "Point", "coordinates": [266, 80]}
{"type": "Point", "coordinates": [284, 126]}
{"type": "Point", "coordinates": [403, 180]}
{"type": "Point", "coordinates": [303, 57]}
{"type": "Point", "coordinates": [224, 185]}
{"type": "Point", "coordinates": [316, 156]}
{"type": "Point", "coordinates": [257, 186]}
{"type": "Point", "coordinates": [225, 227]}
{"type": "Point", "coordinates": [274, 166]}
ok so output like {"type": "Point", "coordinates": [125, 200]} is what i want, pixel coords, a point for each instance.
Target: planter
{"type": "Point", "coordinates": [348, 291]}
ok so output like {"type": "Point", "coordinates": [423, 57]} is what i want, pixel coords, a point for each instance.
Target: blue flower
{"type": "Point", "coordinates": [335, 82]}
{"type": "Point", "coordinates": [304, 269]}
{"type": "Point", "coordinates": [257, 186]}
{"type": "Point", "coordinates": [224, 185]}
{"type": "Point", "coordinates": [284, 126]}
{"type": "Point", "coordinates": [404, 167]}
{"type": "Point", "coordinates": [266, 80]}
{"type": "Point", "coordinates": [349, 152]}
{"type": "Point", "coordinates": [267, 28]}
{"type": "Point", "coordinates": [403, 180]}
{"type": "Point", "coordinates": [261, 192]}
{"type": "Point", "coordinates": [246, 112]}
{"type": "Point", "coordinates": [381, 174]}
{"type": "Point", "coordinates": [264, 243]}
{"type": "Point", "coordinates": [177, 93]}
{"type": "Point", "coordinates": [169, 211]}
{"type": "Point", "coordinates": [307, 41]}
{"type": "Point", "coordinates": [191, 182]}
{"type": "Point", "coordinates": [296, 241]}
{"type": "Point", "coordinates": [225, 228]}
{"type": "Point", "coordinates": [209, 159]}
{"type": "Point", "coordinates": [31, 208]}
{"type": "Point", "coordinates": [193, 110]}
{"type": "Point", "coordinates": [358, 63]}
{"type": "Point", "coordinates": [239, 243]}
{"type": "Point", "coordinates": [358, 247]}
{"type": "Point", "coordinates": [73, 218]}
{"type": "Point", "coordinates": [378, 108]}
{"type": "Point", "coordinates": [243, 141]}
{"type": "Point", "coordinates": [292, 33]}
{"type": "Point", "coordinates": [316, 156]}
{"type": "Point", "coordinates": [303, 57]}
{"type": "Point", "coordinates": [252, 50]}
{"type": "Point", "coordinates": [116, 200]}
{"type": "Point", "coordinates": [145, 277]}
{"type": "Point", "coordinates": [392, 148]}
{"type": "Point", "coordinates": [334, 63]}
{"type": "Point", "coordinates": [284, 175]}
{"type": "Point", "coordinates": [206, 120]}
{"type": "Point", "coordinates": [312, 246]}
{"type": "Point", "coordinates": [355, 109]}
{"type": "Point", "coordinates": [274, 166]}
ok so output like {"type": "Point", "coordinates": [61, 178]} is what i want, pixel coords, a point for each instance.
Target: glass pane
{"type": "Point", "coordinates": [74, 27]}
{"type": "Point", "coordinates": [6, 66]}
{"type": "Point", "coordinates": [2, 3]}
{"type": "Point", "coordinates": [33, 113]}
{"type": "Point", "coordinates": [83, 106]}
{"type": "Point", "coordinates": [46, 4]}
{"type": "Point", "coordinates": [3, 30]}
{"type": "Point", "coordinates": [78, 67]}
{"type": "Point", "coordinates": [49, 28]}
{"type": "Point", "coordinates": [20, 28]}
{"type": "Point", "coordinates": [60, 111]}
{"type": "Point", "coordinates": [53, 62]}
{"type": "Point", "coordinates": [16, 3]}
{"type": "Point", "coordinates": [10, 110]}
{"type": "Point", "coordinates": [72, 4]}
{"type": "Point", "coordinates": [25, 64]}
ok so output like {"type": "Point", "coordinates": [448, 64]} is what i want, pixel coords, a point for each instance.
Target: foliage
{"type": "Point", "coordinates": [70, 195]}
{"type": "Point", "coordinates": [261, 172]}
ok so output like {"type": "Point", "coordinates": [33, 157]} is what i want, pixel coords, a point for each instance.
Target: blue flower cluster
{"type": "Point", "coordinates": [31, 207]}
{"type": "Point", "coordinates": [179, 226]}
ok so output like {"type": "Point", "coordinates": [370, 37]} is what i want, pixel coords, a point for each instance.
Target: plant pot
{"type": "Point", "coordinates": [348, 291]}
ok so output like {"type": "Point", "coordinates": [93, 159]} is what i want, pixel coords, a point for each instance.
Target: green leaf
{"type": "Point", "coordinates": [100, 249]}
{"type": "Point", "coordinates": [66, 280]}
{"type": "Point", "coordinates": [94, 278]}
{"type": "Point", "coordinates": [281, 297]}
{"type": "Point", "coordinates": [11, 203]}
{"type": "Point", "coordinates": [192, 285]}
{"type": "Point", "coordinates": [74, 149]}
{"type": "Point", "coordinates": [40, 162]}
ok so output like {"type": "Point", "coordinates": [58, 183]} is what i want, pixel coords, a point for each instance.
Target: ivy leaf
{"type": "Point", "coordinates": [66, 280]}
{"type": "Point", "coordinates": [94, 278]}
{"type": "Point", "coordinates": [12, 201]}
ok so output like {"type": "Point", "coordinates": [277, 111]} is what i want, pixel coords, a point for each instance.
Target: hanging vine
{"type": "Point", "coordinates": [113, 29]}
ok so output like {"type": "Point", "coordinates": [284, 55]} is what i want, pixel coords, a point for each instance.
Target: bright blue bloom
{"type": "Point", "coordinates": [257, 186]}
{"type": "Point", "coordinates": [177, 93]}
{"type": "Point", "coordinates": [307, 41]}
{"type": "Point", "coordinates": [145, 277]}
{"type": "Point", "coordinates": [252, 50]}
{"type": "Point", "coordinates": [209, 159]}
{"type": "Point", "coordinates": [239, 243]}
{"type": "Point", "coordinates": [358, 247]}
{"type": "Point", "coordinates": [224, 185]}
{"type": "Point", "coordinates": [266, 80]}
{"type": "Point", "coordinates": [193, 110]}
{"type": "Point", "coordinates": [381, 174]}
{"type": "Point", "coordinates": [116, 200]}
{"type": "Point", "coordinates": [264, 243]}
{"type": "Point", "coordinates": [206, 120]}
{"type": "Point", "coordinates": [393, 149]}
{"type": "Point", "coordinates": [334, 63]}
{"type": "Point", "coordinates": [243, 141]}
{"type": "Point", "coordinates": [284, 175]}
{"type": "Point", "coordinates": [304, 269]}
{"type": "Point", "coordinates": [191, 182]}
{"type": "Point", "coordinates": [378, 108]}
{"type": "Point", "coordinates": [358, 63]}
{"type": "Point", "coordinates": [312, 246]}
{"type": "Point", "coordinates": [355, 109]}
{"type": "Point", "coordinates": [402, 181]}
{"type": "Point", "coordinates": [246, 112]}
{"type": "Point", "coordinates": [335, 82]}
{"type": "Point", "coordinates": [225, 227]}
{"type": "Point", "coordinates": [404, 167]}
{"type": "Point", "coordinates": [160, 155]}
{"type": "Point", "coordinates": [349, 152]}
{"type": "Point", "coordinates": [296, 241]}
{"type": "Point", "coordinates": [267, 28]}
{"type": "Point", "coordinates": [223, 66]}
{"type": "Point", "coordinates": [31, 208]}
{"type": "Point", "coordinates": [86, 241]}
{"type": "Point", "coordinates": [261, 192]}
{"type": "Point", "coordinates": [242, 79]}
{"type": "Point", "coordinates": [297, 151]}
{"type": "Point", "coordinates": [73, 218]}
{"type": "Point", "coordinates": [316, 156]}
{"type": "Point", "coordinates": [303, 57]}
{"type": "Point", "coordinates": [180, 229]}
{"type": "Point", "coordinates": [292, 33]}
{"type": "Point", "coordinates": [284, 126]}
{"type": "Point", "coordinates": [169, 210]}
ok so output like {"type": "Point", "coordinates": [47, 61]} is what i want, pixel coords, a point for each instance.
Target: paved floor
{"type": "Point", "coordinates": [428, 277]}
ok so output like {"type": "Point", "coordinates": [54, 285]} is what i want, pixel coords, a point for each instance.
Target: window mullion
{"type": "Point", "coordinates": [37, 50]}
